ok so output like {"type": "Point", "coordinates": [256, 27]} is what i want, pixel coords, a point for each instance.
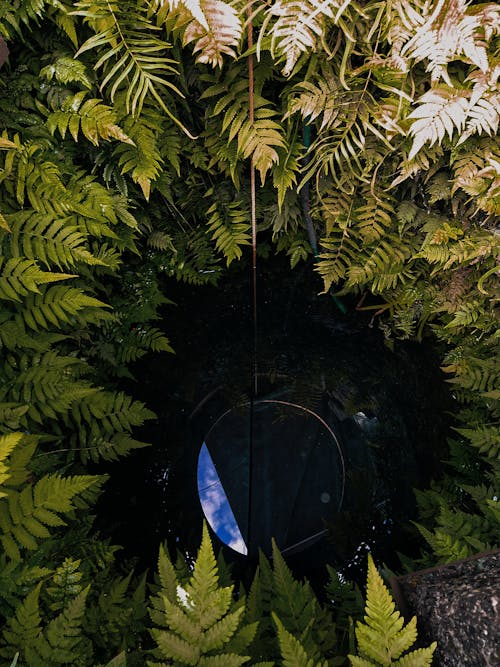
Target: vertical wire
{"type": "Point", "coordinates": [254, 274]}
{"type": "Point", "coordinates": [252, 200]}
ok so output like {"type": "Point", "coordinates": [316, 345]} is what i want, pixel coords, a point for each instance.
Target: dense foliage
{"type": "Point", "coordinates": [125, 150]}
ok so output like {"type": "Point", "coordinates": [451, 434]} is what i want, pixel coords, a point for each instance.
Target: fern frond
{"type": "Point", "coordinates": [66, 642]}
{"type": "Point", "coordinates": [49, 240]}
{"type": "Point", "coordinates": [20, 277]}
{"type": "Point", "coordinates": [104, 421]}
{"type": "Point", "coordinates": [141, 341]}
{"type": "Point", "coordinates": [118, 613]}
{"type": "Point", "coordinates": [16, 15]}
{"type": "Point", "coordinates": [23, 630]}
{"type": "Point", "coordinates": [483, 116]}
{"type": "Point", "coordinates": [197, 622]}
{"type": "Point", "coordinates": [216, 29]}
{"type": "Point", "coordinates": [477, 375]}
{"type": "Point", "coordinates": [65, 69]}
{"type": "Point", "coordinates": [374, 215]}
{"type": "Point", "coordinates": [27, 515]}
{"type": "Point", "coordinates": [91, 117]}
{"type": "Point", "coordinates": [229, 225]}
{"type": "Point", "coordinates": [160, 240]}
{"type": "Point", "coordinates": [420, 657]}
{"type": "Point", "coordinates": [339, 251]}
{"type": "Point", "coordinates": [383, 266]}
{"type": "Point", "coordinates": [319, 100]}
{"type": "Point", "coordinates": [297, 27]}
{"type": "Point", "coordinates": [383, 637]}
{"type": "Point", "coordinates": [485, 439]}
{"type": "Point", "coordinates": [141, 158]}
{"type": "Point", "coordinates": [65, 584]}
{"type": "Point", "coordinates": [341, 152]}
{"type": "Point", "coordinates": [285, 171]}
{"type": "Point", "coordinates": [449, 31]}
{"type": "Point", "coordinates": [130, 55]}
{"type": "Point", "coordinates": [298, 609]}
{"type": "Point", "coordinates": [474, 530]}
{"type": "Point", "coordinates": [60, 642]}
{"type": "Point", "coordinates": [114, 411]}
{"type": "Point", "coordinates": [47, 382]}
{"type": "Point", "coordinates": [442, 110]}
{"type": "Point", "coordinates": [292, 651]}
{"type": "Point", "coordinates": [60, 305]}
{"type": "Point", "coordinates": [259, 140]}
{"type": "Point", "coordinates": [7, 444]}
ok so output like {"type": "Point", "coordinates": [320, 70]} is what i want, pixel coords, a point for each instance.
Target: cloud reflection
{"type": "Point", "coordinates": [216, 505]}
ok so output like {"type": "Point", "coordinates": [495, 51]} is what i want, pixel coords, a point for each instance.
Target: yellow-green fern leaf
{"type": "Point", "coordinates": [292, 651]}
{"type": "Point", "coordinates": [58, 306]}
{"type": "Point", "coordinates": [91, 117]}
{"type": "Point", "coordinates": [21, 276]}
{"type": "Point", "coordinates": [7, 445]}
{"type": "Point", "coordinates": [382, 637]}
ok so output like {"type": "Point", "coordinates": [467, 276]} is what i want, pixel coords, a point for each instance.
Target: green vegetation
{"type": "Point", "coordinates": [124, 156]}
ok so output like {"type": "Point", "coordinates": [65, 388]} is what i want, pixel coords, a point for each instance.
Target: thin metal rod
{"type": "Point", "coordinates": [301, 543]}
{"type": "Point", "coordinates": [253, 217]}
{"type": "Point", "coordinates": [253, 214]}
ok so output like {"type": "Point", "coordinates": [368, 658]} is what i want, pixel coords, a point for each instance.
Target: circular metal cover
{"type": "Point", "coordinates": [270, 469]}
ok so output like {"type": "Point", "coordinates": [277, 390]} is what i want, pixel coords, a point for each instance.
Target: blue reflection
{"type": "Point", "coordinates": [216, 505]}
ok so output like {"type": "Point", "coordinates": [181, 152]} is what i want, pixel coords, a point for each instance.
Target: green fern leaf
{"type": "Point", "coordinates": [58, 306]}
{"type": "Point", "coordinates": [229, 225]}
{"type": "Point", "coordinates": [65, 69]}
{"type": "Point", "coordinates": [360, 662]}
{"type": "Point", "coordinates": [198, 621]}
{"type": "Point", "coordinates": [16, 15]}
{"type": "Point", "coordinates": [317, 100]}
{"type": "Point", "coordinates": [285, 171]}
{"type": "Point", "coordinates": [88, 116]}
{"type": "Point", "coordinates": [227, 660]}
{"type": "Point", "coordinates": [23, 630]}
{"type": "Point", "coordinates": [47, 383]}
{"type": "Point", "coordinates": [24, 515]}
{"type": "Point", "coordinates": [172, 646]}
{"type": "Point", "coordinates": [259, 140]}
{"type": "Point", "coordinates": [65, 584]}
{"type": "Point", "coordinates": [421, 657]}
{"type": "Point", "coordinates": [139, 342]}
{"type": "Point", "coordinates": [141, 159]}
{"type": "Point", "coordinates": [64, 633]}
{"type": "Point", "coordinates": [20, 276]}
{"type": "Point", "coordinates": [292, 651]}
{"type": "Point", "coordinates": [49, 240]}
{"type": "Point", "coordinates": [382, 637]}
{"type": "Point", "coordinates": [130, 55]}
{"type": "Point", "coordinates": [168, 578]}
{"type": "Point", "coordinates": [7, 445]}
{"type": "Point", "coordinates": [485, 439]}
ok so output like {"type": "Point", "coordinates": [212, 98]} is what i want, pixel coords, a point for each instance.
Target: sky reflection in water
{"type": "Point", "coordinates": [216, 505]}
